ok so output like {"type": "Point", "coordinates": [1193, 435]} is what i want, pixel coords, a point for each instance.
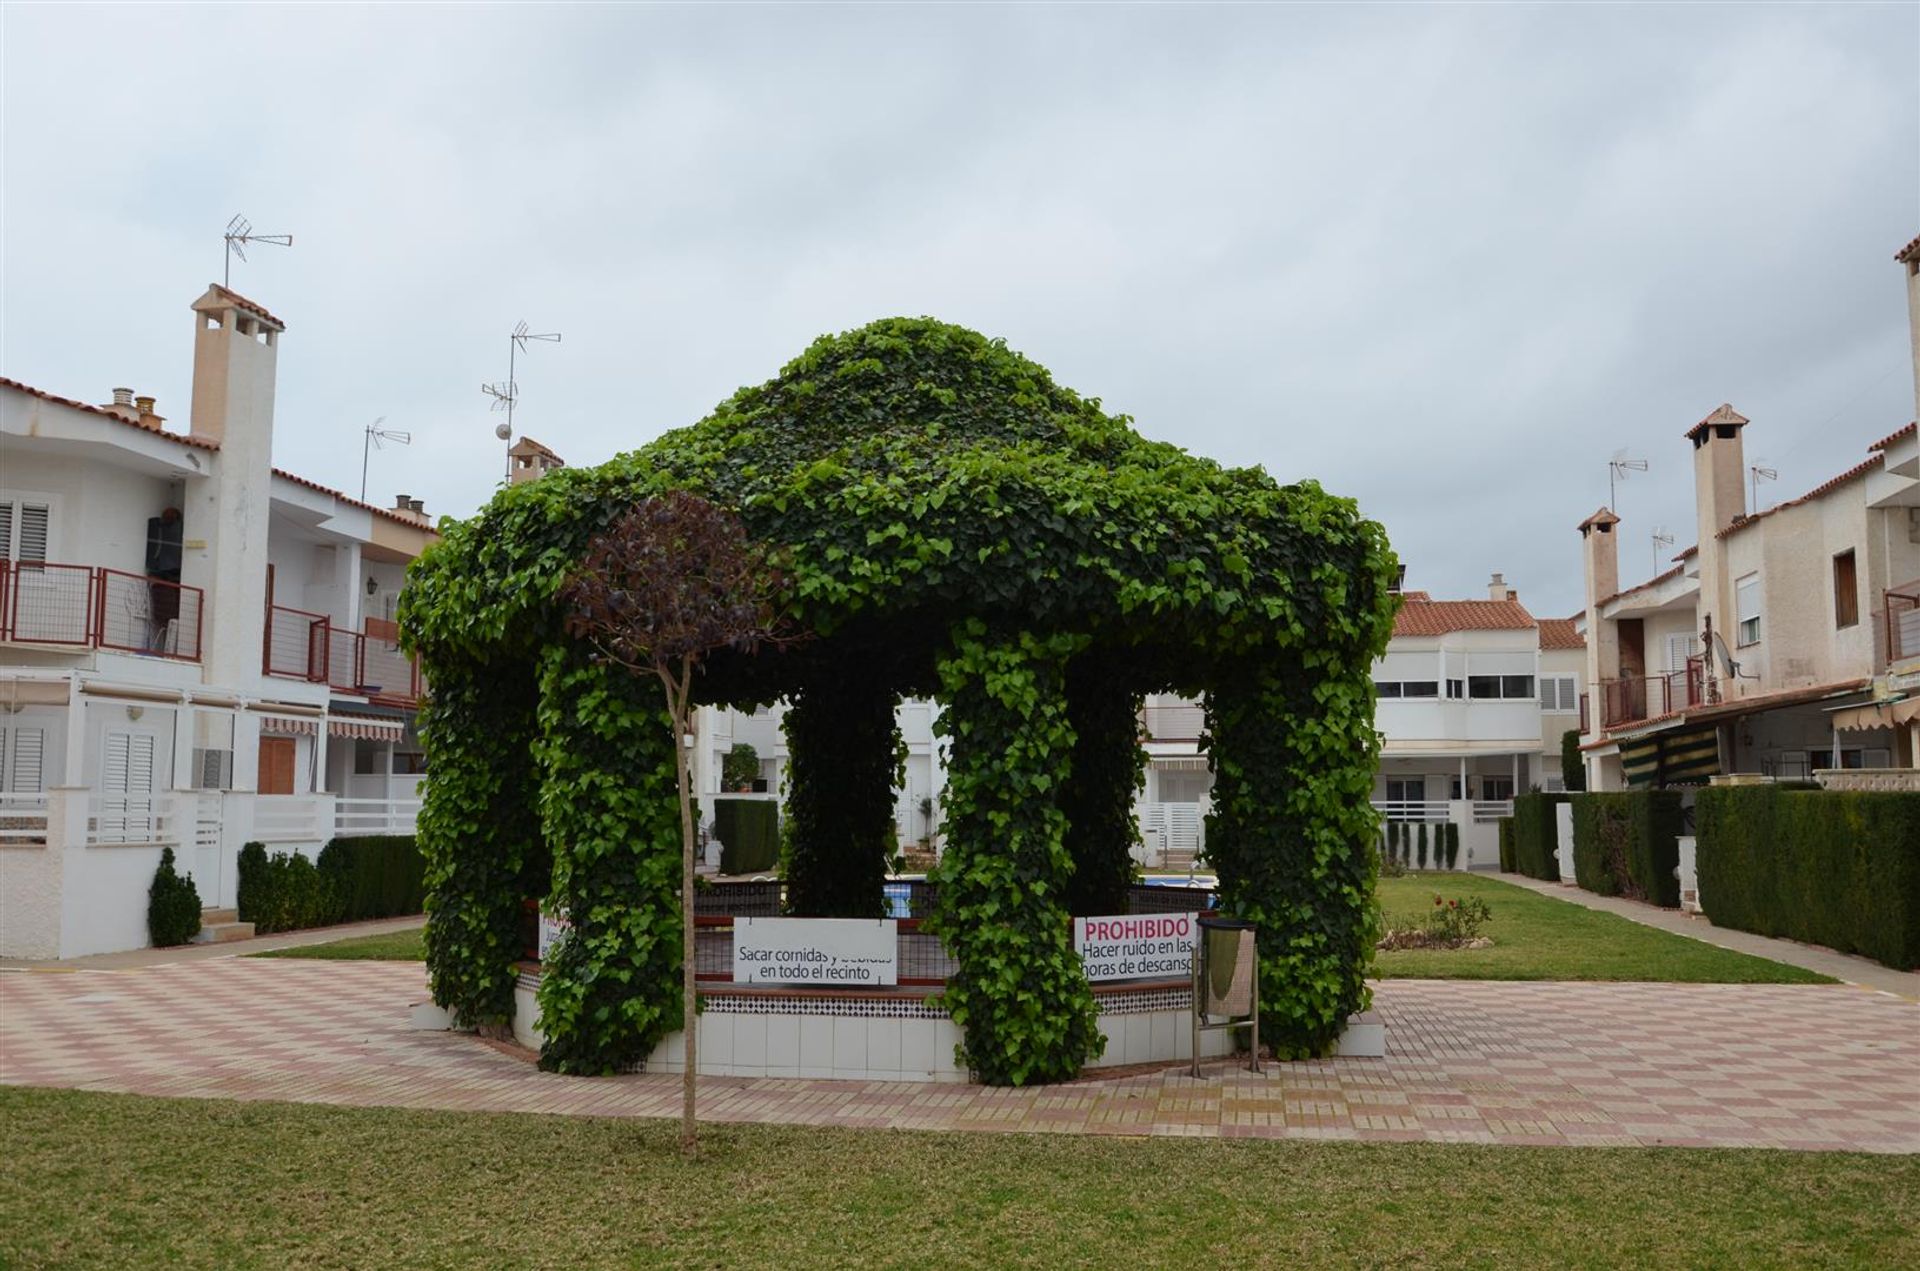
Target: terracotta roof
{"type": "Point", "coordinates": [528, 446]}
{"type": "Point", "coordinates": [1438, 617]}
{"type": "Point", "coordinates": [405, 518]}
{"type": "Point", "coordinates": [1732, 708]}
{"type": "Point", "coordinates": [1724, 413]}
{"type": "Point", "coordinates": [1654, 581]}
{"type": "Point", "coordinates": [185, 439]}
{"type": "Point", "coordinates": [1690, 553]}
{"type": "Point", "coordinates": [1604, 516]}
{"type": "Point", "coordinates": [249, 305]}
{"type": "Point", "coordinates": [1895, 435]}
{"type": "Point", "coordinates": [1851, 474]}
{"type": "Point", "coordinates": [1415, 596]}
{"type": "Point", "coordinates": [1558, 633]}
{"type": "Point", "coordinates": [1910, 252]}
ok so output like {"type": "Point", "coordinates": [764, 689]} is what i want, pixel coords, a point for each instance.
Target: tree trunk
{"type": "Point", "coordinates": [682, 725]}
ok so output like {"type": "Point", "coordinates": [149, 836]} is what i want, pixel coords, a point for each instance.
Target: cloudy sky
{"type": "Point", "coordinates": [1446, 260]}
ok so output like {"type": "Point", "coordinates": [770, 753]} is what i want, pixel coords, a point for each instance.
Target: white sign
{"type": "Point", "coordinates": [822, 952]}
{"type": "Point", "coordinates": [552, 927]}
{"type": "Point", "coordinates": [1136, 946]}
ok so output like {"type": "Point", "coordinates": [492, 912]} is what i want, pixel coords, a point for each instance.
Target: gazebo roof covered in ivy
{"type": "Point", "coordinates": [952, 523]}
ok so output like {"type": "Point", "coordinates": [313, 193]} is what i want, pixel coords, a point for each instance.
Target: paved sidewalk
{"type": "Point", "coordinates": [1796, 1066]}
{"type": "Point", "coordinates": [207, 952]}
{"type": "Point", "coordinates": [1812, 957]}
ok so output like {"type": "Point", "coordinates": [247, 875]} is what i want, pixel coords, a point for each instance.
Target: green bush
{"type": "Point", "coordinates": [1450, 835]}
{"type": "Point", "coordinates": [1536, 835]}
{"type": "Point", "coordinates": [1573, 773]}
{"type": "Point", "coordinates": [1839, 868]}
{"type": "Point", "coordinates": [173, 905]}
{"type": "Point", "coordinates": [1628, 844]}
{"type": "Point", "coordinates": [749, 834]}
{"type": "Point", "coordinates": [374, 876]}
{"type": "Point", "coordinates": [1506, 842]}
{"type": "Point", "coordinates": [740, 767]}
{"type": "Point", "coordinates": [1422, 841]}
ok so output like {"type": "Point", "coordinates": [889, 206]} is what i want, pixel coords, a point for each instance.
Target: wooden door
{"type": "Point", "coordinates": [276, 766]}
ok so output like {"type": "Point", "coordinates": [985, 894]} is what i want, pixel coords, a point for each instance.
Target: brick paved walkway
{"type": "Point", "coordinates": [1625, 1064]}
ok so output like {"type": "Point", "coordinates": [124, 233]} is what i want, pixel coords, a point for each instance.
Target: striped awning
{"type": "Point", "coordinates": [1679, 757]}
{"type": "Point", "coordinates": [365, 727]}
{"type": "Point", "coordinates": [289, 726]}
{"type": "Point", "coordinates": [1876, 715]}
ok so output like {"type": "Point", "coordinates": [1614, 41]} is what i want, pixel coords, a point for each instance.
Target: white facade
{"type": "Point", "coordinates": [192, 648]}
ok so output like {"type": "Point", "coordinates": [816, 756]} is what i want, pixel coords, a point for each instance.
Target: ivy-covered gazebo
{"type": "Point", "coordinates": [954, 525]}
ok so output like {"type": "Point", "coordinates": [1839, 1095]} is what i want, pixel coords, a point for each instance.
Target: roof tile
{"type": "Point", "coordinates": [1438, 617]}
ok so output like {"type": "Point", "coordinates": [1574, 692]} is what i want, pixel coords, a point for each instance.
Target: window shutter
{"type": "Point", "coordinates": [6, 530]}
{"type": "Point", "coordinates": [33, 533]}
{"type": "Point", "coordinates": [113, 775]}
{"type": "Point", "coordinates": [22, 750]}
{"type": "Point", "coordinates": [140, 765]}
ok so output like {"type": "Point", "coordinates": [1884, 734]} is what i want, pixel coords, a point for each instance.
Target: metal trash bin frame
{"type": "Point", "coordinates": [1202, 963]}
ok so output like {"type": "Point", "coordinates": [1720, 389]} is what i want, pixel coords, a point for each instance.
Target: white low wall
{"type": "Point", "coordinates": [29, 901]}
{"type": "Point", "coordinates": [1563, 840]}
{"type": "Point", "coordinates": [1688, 875]}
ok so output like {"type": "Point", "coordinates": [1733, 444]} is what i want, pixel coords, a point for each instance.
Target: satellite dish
{"type": "Point", "coordinates": [502, 431]}
{"type": "Point", "coordinates": [1724, 658]}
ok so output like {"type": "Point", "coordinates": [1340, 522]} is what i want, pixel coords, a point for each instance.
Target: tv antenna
{"type": "Point", "coordinates": [507, 394]}
{"type": "Point", "coordinates": [239, 234]}
{"type": "Point", "coordinates": [1755, 475]}
{"type": "Point", "coordinates": [376, 434]}
{"type": "Point", "coordinates": [1661, 540]}
{"type": "Point", "coordinates": [1617, 469]}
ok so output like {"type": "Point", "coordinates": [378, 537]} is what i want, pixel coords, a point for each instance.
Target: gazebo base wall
{"type": "Point", "coordinates": [886, 1036]}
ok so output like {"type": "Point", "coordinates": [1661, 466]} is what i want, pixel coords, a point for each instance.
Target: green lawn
{"type": "Point", "coordinates": [1537, 937]}
{"type": "Point", "coordinates": [120, 1181]}
{"type": "Point", "coordinates": [388, 946]}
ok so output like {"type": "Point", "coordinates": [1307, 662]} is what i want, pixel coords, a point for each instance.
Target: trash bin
{"type": "Point", "coordinates": [1226, 983]}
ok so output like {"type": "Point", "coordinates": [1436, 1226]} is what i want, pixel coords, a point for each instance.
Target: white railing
{"type": "Point", "coordinates": [375, 816]}
{"type": "Point", "coordinates": [1896, 779]}
{"type": "Point", "coordinates": [1485, 810]}
{"type": "Point", "coordinates": [122, 819]}
{"type": "Point", "coordinates": [1411, 809]}
{"type": "Point", "coordinates": [292, 818]}
{"type": "Point", "coordinates": [23, 820]}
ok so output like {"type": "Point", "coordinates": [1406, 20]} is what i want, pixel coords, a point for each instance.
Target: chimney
{"type": "Point", "coordinates": [147, 418]}
{"type": "Point", "coordinates": [235, 346]}
{"type": "Point", "coordinates": [1497, 588]}
{"type": "Point", "coordinates": [123, 405]}
{"type": "Point", "coordinates": [1600, 551]}
{"type": "Point", "coordinates": [402, 503]}
{"type": "Point", "coordinates": [1719, 500]}
{"type": "Point", "coordinates": [417, 506]}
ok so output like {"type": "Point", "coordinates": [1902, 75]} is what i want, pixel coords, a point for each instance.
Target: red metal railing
{"type": "Point", "coordinates": [92, 607]}
{"type": "Point", "coordinates": [302, 645]}
{"type": "Point", "coordinates": [1626, 701]}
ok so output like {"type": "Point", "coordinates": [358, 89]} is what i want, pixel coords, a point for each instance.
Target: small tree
{"type": "Point", "coordinates": [674, 580]}
{"type": "Point", "coordinates": [1573, 773]}
{"type": "Point", "coordinates": [741, 767]}
{"type": "Point", "coordinates": [1452, 832]}
{"type": "Point", "coordinates": [1422, 844]}
{"type": "Point", "coordinates": [173, 905]}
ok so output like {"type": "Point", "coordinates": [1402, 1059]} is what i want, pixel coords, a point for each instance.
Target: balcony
{"type": "Point", "coordinates": [1628, 701]}
{"type": "Point", "coordinates": [92, 607]}
{"type": "Point", "coordinates": [1901, 620]}
{"type": "Point", "coordinates": [307, 646]}
{"type": "Point", "coordinates": [1173, 723]}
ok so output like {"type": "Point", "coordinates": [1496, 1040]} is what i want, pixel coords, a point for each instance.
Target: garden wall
{"type": "Point", "coordinates": [1628, 844]}
{"type": "Point", "coordinates": [1837, 868]}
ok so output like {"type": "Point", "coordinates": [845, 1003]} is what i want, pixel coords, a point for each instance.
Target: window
{"type": "Point", "coordinates": [1403, 792]}
{"type": "Point", "coordinates": [1496, 788]}
{"type": "Point", "coordinates": [24, 524]}
{"type": "Point", "coordinates": [1483, 686]}
{"type": "Point", "coordinates": [212, 750]}
{"type": "Point", "coordinates": [1557, 693]}
{"type": "Point", "coordinates": [1407, 688]}
{"type": "Point", "coordinates": [22, 751]}
{"type": "Point", "coordinates": [1746, 594]}
{"type": "Point", "coordinates": [1386, 688]}
{"type": "Point", "coordinates": [366, 761]}
{"type": "Point", "coordinates": [1456, 689]}
{"type": "Point", "coordinates": [1493, 687]}
{"type": "Point", "coordinates": [1846, 592]}
{"type": "Point", "coordinates": [409, 763]}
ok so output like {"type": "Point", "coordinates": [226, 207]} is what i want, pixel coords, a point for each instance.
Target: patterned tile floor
{"type": "Point", "coordinates": [1623, 1064]}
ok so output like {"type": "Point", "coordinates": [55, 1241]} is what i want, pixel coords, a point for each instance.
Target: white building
{"type": "Point", "coordinates": [1785, 642]}
{"type": "Point", "coordinates": [196, 648]}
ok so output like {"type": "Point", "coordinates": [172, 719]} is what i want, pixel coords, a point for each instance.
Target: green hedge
{"type": "Point", "coordinates": [173, 905]}
{"type": "Point", "coordinates": [1536, 835]}
{"type": "Point", "coordinates": [1628, 844]}
{"type": "Point", "coordinates": [749, 834]}
{"type": "Point", "coordinates": [1839, 868]}
{"type": "Point", "coordinates": [1506, 846]}
{"type": "Point", "coordinates": [378, 876]}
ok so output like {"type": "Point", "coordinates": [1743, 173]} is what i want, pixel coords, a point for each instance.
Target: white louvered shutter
{"type": "Point", "coordinates": [22, 751]}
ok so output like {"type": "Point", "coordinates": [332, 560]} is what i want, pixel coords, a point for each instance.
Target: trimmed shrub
{"type": "Point", "coordinates": [1450, 835]}
{"type": "Point", "coordinates": [1573, 773]}
{"type": "Point", "coordinates": [749, 834]}
{"type": "Point", "coordinates": [374, 876]}
{"type": "Point", "coordinates": [255, 885]}
{"type": "Point", "coordinates": [1393, 842]}
{"type": "Point", "coordinates": [1839, 868]}
{"type": "Point", "coordinates": [1506, 843]}
{"type": "Point", "coordinates": [1423, 844]}
{"type": "Point", "coordinates": [173, 905]}
{"type": "Point", "coordinates": [1628, 844]}
{"type": "Point", "coordinates": [1536, 835]}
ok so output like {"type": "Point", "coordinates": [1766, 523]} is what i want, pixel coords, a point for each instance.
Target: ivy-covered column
{"type": "Point", "coordinates": [843, 751]}
{"type": "Point", "coordinates": [1291, 835]}
{"type": "Point", "coordinates": [479, 832]}
{"type": "Point", "coordinates": [1019, 995]}
{"type": "Point", "coordinates": [611, 811]}
{"type": "Point", "coordinates": [1109, 769]}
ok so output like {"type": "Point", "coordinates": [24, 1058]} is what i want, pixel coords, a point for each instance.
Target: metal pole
{"type": "Point", "coordinates": [366, 444]}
